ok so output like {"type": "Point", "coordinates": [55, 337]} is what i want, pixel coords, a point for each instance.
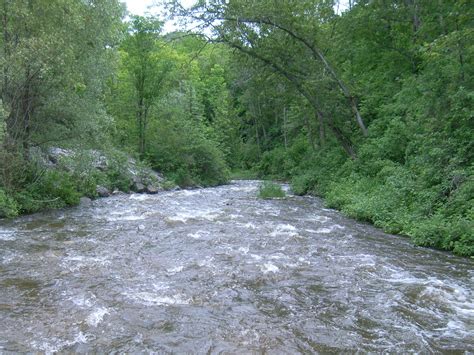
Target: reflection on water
{"type": "Point", "coordinates": [217, 270]}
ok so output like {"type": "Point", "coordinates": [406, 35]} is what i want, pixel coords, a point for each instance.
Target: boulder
{"type": "Point", "coordinates": [85, 201]}
{"type": "Point", "coordinates": [138, 187]}
{"type": "Point", "coordinates": [56, 153]}
{"type": "Point", "coordinates": [102, 191]}
{"type": "Point", "coordinates": [99, 161]}
{"type": "Point", "coordinates": [152, 189]}
{"type": "Point", "coordinates": [156, 175]}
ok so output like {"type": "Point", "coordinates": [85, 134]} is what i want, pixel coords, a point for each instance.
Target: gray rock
{"type": "Point", "coordinates": [135, 177]}
{"type": "Point", "coordinates": [156, 175]}
{"type": "Point", "coordinates": [138, 187]}
{"type": "Point", "coordinates": [99, 161]}
{"type": "Point", "coordinates": [152, 189]}
{"type": "Point", "coordinates": [56, 153]}
{"type": "Point", "coordinates": [85, 201]}
{"type": "Point", "coordinates": [102, 191]}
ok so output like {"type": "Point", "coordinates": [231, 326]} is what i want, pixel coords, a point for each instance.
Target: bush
{"type": "Point", "coordinates": [8, 206]}
{"type": "Point", "coordinates": [187, 157]}
{"type": "Point", "coordinates": [168, 185]}
{"type": "Point", "coordinates": [303, 184]}
{"type": "Point", "coordinates": [243, 175]}
{"type": "Point", "coordinates": [270, 190]}
{"type": "Point", "coordinates": [117, 174]}
{"type": "Point", "coordinates": [80, 167]}
{"type": "Point", "coordinates": [275, 164]}
{"type": "Point", "coordinates": [53, 189]}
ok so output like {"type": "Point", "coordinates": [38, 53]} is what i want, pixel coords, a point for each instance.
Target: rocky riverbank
{"type": "Point", "coordinates": [62, 177]}
{"type": "Point", "coordinates": [141, 179]}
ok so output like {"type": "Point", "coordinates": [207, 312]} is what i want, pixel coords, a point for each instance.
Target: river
{"type": "Point", "coordinates": [218, 270]}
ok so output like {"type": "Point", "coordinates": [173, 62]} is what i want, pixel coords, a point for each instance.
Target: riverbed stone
{"type": "Point", "coordinates": [55, 154]}
{"type": "Point", "coordinates": [85, 201]}
{"type": "Point", "coordinates": [152, 189]}
{"type": "Point", "coordinates": [102, 191]}
{"type": "Point", "coordinates": [138, 187]}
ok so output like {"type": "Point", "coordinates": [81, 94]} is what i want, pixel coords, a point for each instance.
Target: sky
{"type": "Point", "coordinates": [139, 7]}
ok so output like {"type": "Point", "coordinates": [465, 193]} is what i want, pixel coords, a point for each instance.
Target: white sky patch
{"type": "Point", "coordinates": [138, 7]}
{"type": "Point", "coordinates": [141, 7]}
{"type": "Point", "coordinates": [341, 6]}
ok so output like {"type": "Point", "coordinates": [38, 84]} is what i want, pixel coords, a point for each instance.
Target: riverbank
{"type": "Point", "coordinates": [397, 199]}
{"type": "Point", "coordinates": [57, 177]}
{"type": "Point", "coordinates": [388, 204]}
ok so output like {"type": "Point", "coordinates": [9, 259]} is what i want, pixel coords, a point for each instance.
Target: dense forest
{"type": "Point", "coordinates": [370, 107]}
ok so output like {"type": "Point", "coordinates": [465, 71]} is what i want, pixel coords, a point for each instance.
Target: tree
{"type": "Point", "coordinates": [147, 67]}
{"type": "Point", "coordinates": [57, 56]}
{"type": "Point", "coordinates": [289, 40]}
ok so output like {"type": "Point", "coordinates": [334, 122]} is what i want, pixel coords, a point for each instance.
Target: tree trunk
{"type": "Point", "coordinates": [309, 133]}
{"type": "Point", "coordinates": [257, 137]}
{"type": "Point", "coordinates": [312, 100]}
{"type": "Point", "coordinates": [322, 133]}
{"type": "Point", "coordinates": [284, 129]}
{"type": "Point", "coordinates": [317, 55]}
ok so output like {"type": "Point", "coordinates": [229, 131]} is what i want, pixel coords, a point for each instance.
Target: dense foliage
{"type": "Point", "coordinates": [56, 56]}
{"type": "Point", "coordinates": [370, 107]}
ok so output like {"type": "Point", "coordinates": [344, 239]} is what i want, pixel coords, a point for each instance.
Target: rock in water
{"type": "Point", "coordinates": [152, 189]}
{"type": "Point", "coordinates": [138, 187]}
{"type": "Point", "coordinates": [102, 191]}
{"type": "Point", "coordinates": [85, 201]}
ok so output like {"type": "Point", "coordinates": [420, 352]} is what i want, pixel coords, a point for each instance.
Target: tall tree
{"type": "Point", "coordinates": [146, 64]}
{"type": "Point", "coordinates": [290, 40]}
{"type": "Point", "coordinates": [56, 57]}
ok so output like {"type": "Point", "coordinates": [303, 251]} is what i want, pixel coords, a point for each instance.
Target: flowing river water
{"type": "Point", "coordinates": [218, 270]}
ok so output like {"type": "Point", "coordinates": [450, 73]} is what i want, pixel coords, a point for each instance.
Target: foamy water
{"type": "Point", "coordinates": [219, 270]}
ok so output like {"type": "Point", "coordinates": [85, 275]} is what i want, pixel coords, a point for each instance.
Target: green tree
{"type": "Point", "coordinates": [303, 78]}
{"type": "Point", "coordinates": [56, 57]}
{"type": "Point", "coordinates": [146, 64]}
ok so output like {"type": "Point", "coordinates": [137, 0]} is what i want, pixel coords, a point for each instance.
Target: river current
{"type": "Point", "coordinates": [218, 270]}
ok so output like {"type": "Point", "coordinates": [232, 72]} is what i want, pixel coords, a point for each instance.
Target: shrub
{"type": "Point", "coordinates": [52, 189]}
{"type": "Point", "coordinates": [81, 168]}
{"type": "Point", "coordinates": [270, 190]}
{"type": "Point", "coordinates": [243, 175]}
{"type": "Point", "coordinates": [304, 183]}
{"type": "Point", "coordinates": [274, 164]}
{"type": "Point", "coordinates": [168, 185]}
{"type": "Point", "coordinates": [117, 174]}
{"type": "Point", "coordinates": [186, 156]}
{"type": "Point", "coordinates": [8, 206]}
